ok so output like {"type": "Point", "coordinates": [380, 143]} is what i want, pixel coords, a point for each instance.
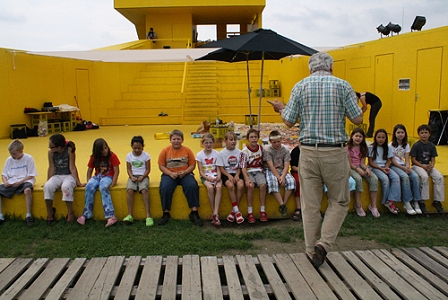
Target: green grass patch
{"type": "Point", "coordinates": [182, 238]}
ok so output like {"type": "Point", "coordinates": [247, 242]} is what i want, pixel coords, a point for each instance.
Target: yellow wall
{"type": "Point", "coordinates": [376, 66]}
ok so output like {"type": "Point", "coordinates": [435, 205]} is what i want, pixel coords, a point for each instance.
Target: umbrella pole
{"type": "Point", "coordinates": [248, 91]}
{"type": "Point", "coordinates": [261, 90]}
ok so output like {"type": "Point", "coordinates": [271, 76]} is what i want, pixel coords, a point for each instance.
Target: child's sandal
{"type": "Point", "coordinates": [392, 208]}
{"type": "Point", "coordinates": [239, 218]}
{"type": "Point", "coordinates": [231, 217]}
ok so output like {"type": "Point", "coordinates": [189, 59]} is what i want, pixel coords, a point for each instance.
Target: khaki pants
{"type": "Point", "coordinates": [319, 166]}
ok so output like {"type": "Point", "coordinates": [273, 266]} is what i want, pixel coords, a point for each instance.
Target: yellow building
{"type": "Point", "coordinates": [135, 93]}
{"type": "Point", "coordinates": [176, 21]}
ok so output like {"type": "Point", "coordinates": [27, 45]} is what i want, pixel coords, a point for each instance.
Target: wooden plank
{"type": "Point", "coordinates": [149, 280]}
{"type": "Point", "coordinates": [377, 283]}
{"type": "Point", "coordinates": [66, 280]}
{"type": "Point", "coordinates": [275, 282]}
{"type": "Point", "coordinates": [47, 278]}
{"type": "Point", "coordinates": [436, 256]}
{"type": "Point", "coordinates": [124, 289]}
{"type": "Point", "coordinates": [169, 287]}
{"type": "Point", "coordinates": [297, 284]}
{"type": "Point", "coordinates": [191, 278]}
{"type": "Point", "coordinates": [434, 280]}
{"type": "Point", "coordinates": [252, 279]}
{"type": "Point", "coordinates": [105, 282]}
{"type": "Point", "coordinates": [442, 250]}
{"type": "Point", "coordinates": [233, 283]}
{"type": "Point", "coordinates": [359, 286]}
{"type": "Point", "coordinates": [211, 282]}
{"type": "Point", "coordinates": [13, 271]}
{"type": "Point", "coordinates": [409, 275]}
{"type": "Point", "coordinates": [84, 285]}
{"type": "Point", "coordinates": [5, 262]}
{"type": "Point", "coordinates": [312, 277]}
{"type": "Point", "coordinates": [397, 283]}
{"type": "Point", "coordinates": [426, 261]}
{"type": "Point", "coordinates": [24, 279]}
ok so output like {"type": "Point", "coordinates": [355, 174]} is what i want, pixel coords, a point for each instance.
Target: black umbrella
{"type": "Point", "coordinates": [260, 44]}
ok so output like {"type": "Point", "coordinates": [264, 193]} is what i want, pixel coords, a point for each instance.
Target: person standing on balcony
{"type": "Point", "coordinates": [151, 35]}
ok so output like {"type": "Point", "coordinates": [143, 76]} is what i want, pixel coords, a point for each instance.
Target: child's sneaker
{"type": "Point", "coordinates": [263, 216]}
{"type": "Point", "coordinates": [231, 217]}
{"type": "Point", "coordinates": [149, 222]}
{"type": "Point", "coordinates": [438, 206]}
{"type": "Point", "coordinates": [215, 220]}
{"type": "Point", "coordinates": [283, 210]}
{"type": "Point", "coordinates": [250, 218]}
{"type": "Point", "coordinates": [239, 218]}
{"type": "Point", "coordinates": [409, 209]}
{"type": "Point", "coordinates": [29, 221]}
{"type": "Point", "coordinates": [417, 208]}
{"type": "Point", "coordinates": [128, 219]}
{"type": "Point", "coordinates": [422, 207]}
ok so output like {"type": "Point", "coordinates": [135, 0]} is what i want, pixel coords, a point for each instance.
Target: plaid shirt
{"type": "Point", "coordinates": [321, 102]}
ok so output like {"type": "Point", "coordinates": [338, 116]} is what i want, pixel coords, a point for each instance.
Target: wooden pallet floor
{"type": "Point", "coordinates": [409, 273]}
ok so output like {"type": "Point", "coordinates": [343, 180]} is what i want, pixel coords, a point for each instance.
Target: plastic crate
{"type": "Point", "coordinates": [66, 126]}
{"type": "Point", "coordinates": [273, 84]}
{"type": "Point", "coordinates": [54, 127]}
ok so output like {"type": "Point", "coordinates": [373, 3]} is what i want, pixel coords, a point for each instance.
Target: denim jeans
{"type": "Point", "coordinates": [391, 189]}
{"type": "Point", "coordinates": [410, 184]}
{"type": "Point", "coordinates": [189, 186]}
{"type": "Point", "coordinates": [103, 182]}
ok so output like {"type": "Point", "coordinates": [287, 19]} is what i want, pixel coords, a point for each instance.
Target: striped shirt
{"type": "Point", "coordinates": [321, 102]}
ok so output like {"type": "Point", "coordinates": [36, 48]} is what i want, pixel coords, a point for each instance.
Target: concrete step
{"type": "Point", "coordinates": [159, 95]}
{"type": "Point", "coordinates": [142, 120]}
{"type": "Point", "coordinates": [151, 103]}
{"type": "Point", "coordinates": [146, 112]}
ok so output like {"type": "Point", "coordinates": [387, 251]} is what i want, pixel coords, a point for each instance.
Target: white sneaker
{"type": "Point", "coordinates": [409, 208]}
{"type": "Point", "coordinates": [417, 208]}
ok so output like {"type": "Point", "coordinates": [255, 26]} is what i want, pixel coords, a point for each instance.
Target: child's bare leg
{"type": "Point", "coordinates": [28, 200]}
{"type": "Point", "coordinates": [49, 206]}
{"type": "Point", "coordinates": [1, 212]}
{"type": "Point", "coordinates": [250, 196]}
{"type": "Point", "coordinates": [145, 197]}
{"type": "Point", "coordinates": [373, 196]}
{"type": "Point", "coordinates": [358, 199]}
{"type": "Point", "coordinates": [287, 195]}
{"type": "Point", "coordinates": [240, 190]}
{"type": "Point", "coordinates": [298, 205]}
{"type": "Point", "coordinates": [130, 201]}
{"type": "Point", "coordinates": [70, 213]}
{"type": "Point", "coordinates": [278, 197]}
{"type": "Point", "coordinates": [210, 194]}
{"type": "Point", "coordinates": [218, 196]}
{"type": "Point", "coordinates": [263, 195]}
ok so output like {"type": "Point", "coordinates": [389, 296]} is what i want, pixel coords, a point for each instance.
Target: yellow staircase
{"type": "Point", "coordinates": [156, 90]}
{"type": "Point", "coordinates": [211, 89]}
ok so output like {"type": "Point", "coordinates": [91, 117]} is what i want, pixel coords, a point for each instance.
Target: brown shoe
{"type": "Point", "coordinates": [319, 255]}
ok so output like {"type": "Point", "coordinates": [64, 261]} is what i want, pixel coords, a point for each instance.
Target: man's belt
{"type": "Point", "coordinates": [317, 145]}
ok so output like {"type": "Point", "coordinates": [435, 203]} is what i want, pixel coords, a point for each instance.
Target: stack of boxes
{"type": "Point", "coordinates": [273, 91]}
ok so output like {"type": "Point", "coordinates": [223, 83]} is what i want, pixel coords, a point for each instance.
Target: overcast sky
{"type": "Point", "coordinates": [58, 25]}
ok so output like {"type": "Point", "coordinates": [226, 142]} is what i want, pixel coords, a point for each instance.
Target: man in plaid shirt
{"type": "Point", "coordinates": [321, 102]}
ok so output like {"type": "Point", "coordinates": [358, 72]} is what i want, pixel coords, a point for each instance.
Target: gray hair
{"type": "Point", "coordinates": [320, 61]}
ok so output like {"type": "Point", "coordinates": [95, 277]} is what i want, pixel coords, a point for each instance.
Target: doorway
{"type": "Point", "coordinates": [427, 92]}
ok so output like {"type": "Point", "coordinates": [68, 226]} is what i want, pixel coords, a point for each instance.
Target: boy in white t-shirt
{"type": "Point", "coordinates": [19, 175]}
{"type": "Point", "coordinates": [229, 160]}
